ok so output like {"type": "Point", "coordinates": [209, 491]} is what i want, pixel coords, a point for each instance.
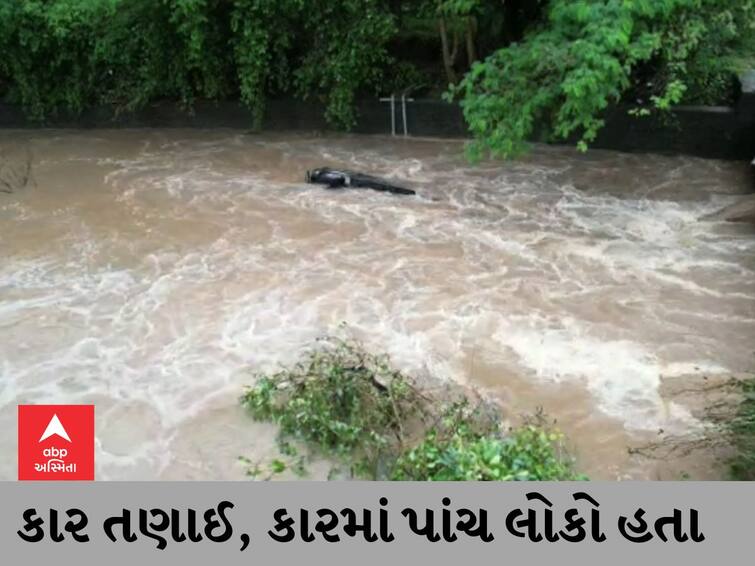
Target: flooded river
{"type": "Point", "coordinates": [150, 272]}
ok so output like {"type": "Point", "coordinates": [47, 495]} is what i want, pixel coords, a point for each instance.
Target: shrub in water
{"type": "Point", "coordinates": [460, 451]}
{"type": "Point", "coordinates": [353, 406]}
{"type": "Point", "coordinates": [344, 401]}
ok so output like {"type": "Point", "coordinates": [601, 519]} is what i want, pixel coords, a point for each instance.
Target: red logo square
{"type": "Point", "coordinates": [56, 442]}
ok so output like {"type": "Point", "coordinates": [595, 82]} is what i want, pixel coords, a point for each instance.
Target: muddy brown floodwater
{"type": "Point", "coordinates": [149, 271]}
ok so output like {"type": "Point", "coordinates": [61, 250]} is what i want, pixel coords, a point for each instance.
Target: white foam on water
{"type": "Point", "coordinates": [623, 375]}
{"type": "Point", "coordinates": [215, 271]}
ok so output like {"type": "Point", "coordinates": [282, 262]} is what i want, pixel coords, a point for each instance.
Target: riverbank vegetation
{"type": "Point", "coordinates": [520, 68]}
{"type": "Point", "coordinates": [741, 432]}
{"type": "Point", "coordinates": [378, 423]}
{"type": "Point", "coordinates": [724, 406]}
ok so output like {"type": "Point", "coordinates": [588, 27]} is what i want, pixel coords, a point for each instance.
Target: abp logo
{"type": "Point", "coordinates": [55, 442]}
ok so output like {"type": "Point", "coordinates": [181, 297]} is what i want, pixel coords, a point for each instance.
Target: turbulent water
{"type": "Point", "coordinates": [151, 272]}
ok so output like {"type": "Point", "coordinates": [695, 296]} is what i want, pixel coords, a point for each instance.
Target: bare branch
{"type": "Point", "coordinates": [15, 169]}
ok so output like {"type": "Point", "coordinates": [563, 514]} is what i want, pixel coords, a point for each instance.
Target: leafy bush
{"type": "Point", "coordinates": [341, 400]}
{"type": "Point", "coordinates": [353, 406]}
{"type": "Point", "coordinates": [459, 451]}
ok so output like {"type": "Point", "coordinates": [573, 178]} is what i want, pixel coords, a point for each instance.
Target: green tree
{"type": "Point", "coordinates": [587, 55]}
{"type": "Point", "coordinates": [550, 65]}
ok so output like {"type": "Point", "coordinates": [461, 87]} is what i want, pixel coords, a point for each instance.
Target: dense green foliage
{"type": "Point", "coordinates": [71, 54]}
{"type": "Point", "coordinates": [352, 406]}
{"type": "Point", "coordinates": [521, 68]}
{"type": "Point", "coordinates": [460, 450]}
{"type": "Point", "coordinates": [590, 53]}
{"type": "Point", "coordinates": [68, 55]}
{"type": "Point", "coordinates": [334, 400]}
{"type": "Point", "coordinates": [321, 48]}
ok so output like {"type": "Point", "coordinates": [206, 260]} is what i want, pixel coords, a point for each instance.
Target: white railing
{"type": "Point", "coordinates": [404, 100]}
